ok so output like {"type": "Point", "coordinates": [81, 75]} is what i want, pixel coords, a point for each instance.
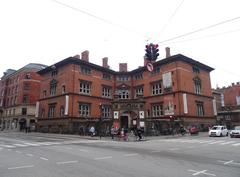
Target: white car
{"type": "Point", "coordinates": [235, 132]}
{"type": "Point", "coordinates": [218, 130]}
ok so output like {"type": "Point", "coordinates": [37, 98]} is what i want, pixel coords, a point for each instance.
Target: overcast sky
{"type": "Point", "coordinates": [47, 31]}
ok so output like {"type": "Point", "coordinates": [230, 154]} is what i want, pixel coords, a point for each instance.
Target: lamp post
{"type": "Point", "coordinates": [100, 121]}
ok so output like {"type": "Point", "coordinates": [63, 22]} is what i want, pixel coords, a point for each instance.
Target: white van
{"type": "Point", "coordinates": [218, 130]}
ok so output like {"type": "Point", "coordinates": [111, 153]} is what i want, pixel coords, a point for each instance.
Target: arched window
{"type": "Point", "coordinates": [197, 85]}
{"type": "Point", "coordinates": [61, 111]}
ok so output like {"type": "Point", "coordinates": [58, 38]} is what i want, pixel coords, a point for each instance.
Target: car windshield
{"type": "Point", "coordinates": [237, 128]}
{"type": "Point", "coordinates": [216, 128]}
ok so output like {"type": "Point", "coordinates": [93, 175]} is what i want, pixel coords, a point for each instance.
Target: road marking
{"type": "Point", "coordinates": [43, 158]}
{"type": "Point", "coordinates": [20, 145]}
{"type": "Point", "coordinates": [215, 142]}
{"type": "Point", "coordinates": [1, 148]}
{"type": "Point", "coordinates": [30, 155]}
{"type": "Point", "coordinates": [228, 162]}
{"type": "Point", "coordinates": [229, 142]}
{"type": "Point", "coordinates": [7, 146]}
{"type": "Point", "coordinates": [128, 155]}
{"type": "Point", "coordinates": [20, 167]}
{"type": "Point", "coordinates": [156, 151]}
{"type": "Point", "coordinates": [201, 172]}
{"type": "Point", "coordinates": [103, 158]}
{"type": "Point", "coordinates": [83, 150]}
{"type": "Point", "coordinates": [174, 149]}
{"type": "Point", "coordinates": [238, 144]}
{"type": "Point", "coordinates": [19, 152]}
{"type": "Point", "coordinates": [32, 144]}
{"type": "Point", "coordinates": [67, 162]}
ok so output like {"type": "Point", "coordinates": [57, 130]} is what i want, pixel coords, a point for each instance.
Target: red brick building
{"type": "Point", "coordinates": [19, 91]}
{"type": "Point", "coordinates": [229, 112]}
{"type": "Point", "coordinates": [76, 94]}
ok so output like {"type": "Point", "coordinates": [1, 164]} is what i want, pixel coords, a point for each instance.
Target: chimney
{"type": "Point", "coordinates": [85, 55]}
{"type": "Point", "coordinates": [238, 83]}
{"type": "Point", "coordinates": [233, 84]}
{"type": "Point", "coordinates": [105, 62]}
{"type": "Point", "coordinates": [76, 56]}
{"type": "Point", "coordinates": [168, 54]}
{"type": "Point", "coordinates": [122, 67]}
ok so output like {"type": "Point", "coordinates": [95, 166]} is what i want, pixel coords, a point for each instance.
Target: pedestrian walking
{"type": "Point", "coordinates": [92, 131]}
{"type": "Point", "coordinates": [113, 132]}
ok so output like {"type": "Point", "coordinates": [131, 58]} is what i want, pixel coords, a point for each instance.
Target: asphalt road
{"type": "Point", "coordinates": [49, 155]}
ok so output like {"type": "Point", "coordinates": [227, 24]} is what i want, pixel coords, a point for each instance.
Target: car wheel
{"type": "Point", "coordinates": [221, 134]}
{"type": "Point", "coordinates": [227, 134]}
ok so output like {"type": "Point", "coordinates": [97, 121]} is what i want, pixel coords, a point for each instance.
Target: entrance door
{"type": "Point", "coordinates": [124, 121]}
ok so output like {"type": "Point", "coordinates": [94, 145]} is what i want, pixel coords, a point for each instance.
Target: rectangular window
{"type": "Point", "coordinates": [26, 86]}
{"type": "Point", "coordinates": [106, 76]}
{"type": "Point", "coordinates": [200, 109]}
{"type": "Point", "coordinates": [44, 94]}
{"type": "Point", "coordinates": [85, 70]}
{"type": "Point", "coordinates": [85, 87]}
{"type": "Point", "coordinates": [156, 88]}
{"type": "Point", "coordinates": [106, 92]}
{"type": "Point", "coordinates": [84, 110]}
{"type": "Point", "coordinates": [106, 111]}
{"type": "Point", "coordinates": [122, 78]}
{"type": "Point", "coordinates": [54, 73]}
{"type": "Point", "coordinates": [24, 111]}
{"type": "Point", "coordinates": [51, 110]}
{"type": "Point", "coordinates": [138, 91]}
{"type": "Point", "coordinates": [25, 99]}
{"type": "Point", "coordinates": [157, 110]}
{"type": "Point", "coordinates": [63, 89]}
{"type": "Point", "coordinates": [123, 94]}
{"type": "Point", "coordinates": [196, 70]}
{"type": "Point", "coordinates": [138, 76]}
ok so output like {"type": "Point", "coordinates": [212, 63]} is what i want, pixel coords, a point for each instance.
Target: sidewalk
{"type": "Point", "coordinates": [106, 138]}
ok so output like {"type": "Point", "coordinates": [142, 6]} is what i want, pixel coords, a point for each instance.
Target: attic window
{"type": "Point", "coordinates": [196, 70]}
{"type": "Point", "coordinates": [28, 76]}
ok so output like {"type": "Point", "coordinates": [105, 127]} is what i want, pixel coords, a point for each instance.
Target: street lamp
{"type": "Point", "coordinates": [100, 121]}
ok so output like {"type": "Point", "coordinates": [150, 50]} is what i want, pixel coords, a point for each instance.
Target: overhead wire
{"type": "Point", "coordinates": [102, 19]}
{"type": "Point", "coordinates": [201, 29]}
{"type": "Point", "coordinates": [171, 17]}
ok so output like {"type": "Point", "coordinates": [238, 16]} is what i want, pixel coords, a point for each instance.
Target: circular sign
{"type": "Point", "coordinates": [149, 66]}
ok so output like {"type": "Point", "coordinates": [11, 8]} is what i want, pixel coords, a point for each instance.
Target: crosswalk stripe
{"type": "Point", "coordinates": [32, 144]}
{"type": "Point", "coordinates": [228, 142]}
{"type": "Point", "coordinates": [7, 146]}
{"type": "Point", "coordinates": [20, 145]}
{"type": "Point", "coordinates": [215, 142]}
{"type": "Point", "coordinates": [237, 144]}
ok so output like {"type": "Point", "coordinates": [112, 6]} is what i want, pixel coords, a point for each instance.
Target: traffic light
{"type": "Point", "coordinates": [152, 52]}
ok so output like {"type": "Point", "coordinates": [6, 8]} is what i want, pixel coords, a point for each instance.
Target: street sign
{"type": "Point", "coordinates": [149, 66]}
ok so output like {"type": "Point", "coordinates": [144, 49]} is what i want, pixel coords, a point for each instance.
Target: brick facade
{"type": "Point", "coordinates": [19, 92]}
{"type": "Point", "coordinates": [76, 94]}
{"type": "Point", "coordinates": [229, 112]}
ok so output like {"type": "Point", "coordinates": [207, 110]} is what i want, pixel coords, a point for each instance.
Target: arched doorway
{"type": "Point", "coordinates": [124, 122]}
